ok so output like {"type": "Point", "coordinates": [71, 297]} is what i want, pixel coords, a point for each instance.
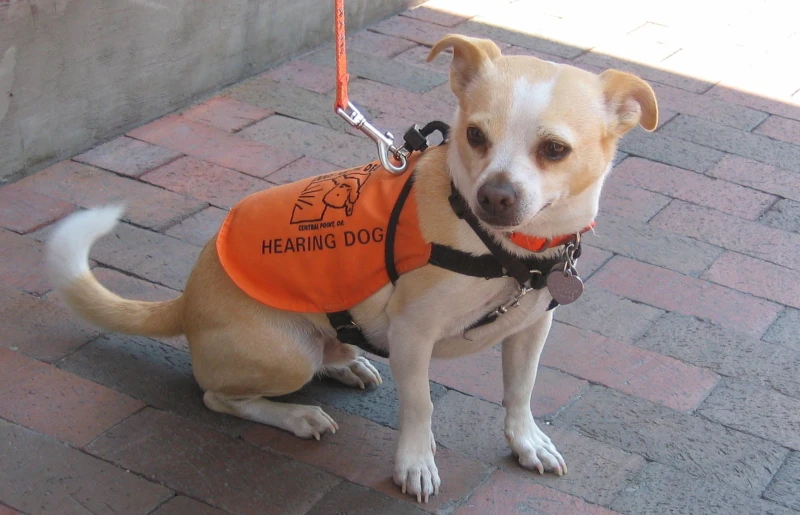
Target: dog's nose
{"type": "Point", "coordinates": [497, 195]}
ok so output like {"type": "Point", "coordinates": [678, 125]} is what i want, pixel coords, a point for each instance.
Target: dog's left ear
{"type": "Point", "coordinates": [469, 56]}
{"type": "Point", "coordinates": [629, 101]}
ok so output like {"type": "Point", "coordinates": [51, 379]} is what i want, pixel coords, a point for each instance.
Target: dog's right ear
{"type": "Point", "coordinates": [469, 56]}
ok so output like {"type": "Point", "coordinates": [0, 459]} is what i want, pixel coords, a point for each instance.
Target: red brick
{"type": "Point", "coordinates": [5, 510]}
{"type": "Point", "coordinates": [301, 169]}
{"type": "Point", "coordinates": [592, 258]}
{"type": "Point", "coordinates": [363, 452]}
{"type": "Point", "coordinates": [226, 113]}
{"type": "Point", "coordinates": [224, 472]}
{"type": "Point", "coordinates": [481, 375]}
{"type": "Point", "coordinates": [756, 277]}
{"type": "Point", "coordinates": [511, 494]}
{"type": "Point", "coordinates": [21, 263]}
{"type": "Point", "coordinates": [694, 187]}
{"type": "Point", "coordinates": [127, 156]}
{"type": "Point", "coordinates": [758, 176]}
{"type": "Point", "coordinates": [181, 505]}
{"type": "Point", "coordinates": [648, 72]}
{"type": "Point", "coordinates": [305, 75]}
{"type": "Point", "coordinates": [57, 403]}
{"type": "Point", "coordinates": [24, 211]}
{"type": "Point", "coordinates": [87, 186]}
{"type": "Point", "coordinates": [147, 254]}
{"type": "Point", "coordinates": [622, 199]}
{"type": "Point", "coordinates": [717, 228]}
{"type": "Point", "coordinates": [432, 15]}
{"type": "Point", "coordinates": [757, 102]}
{"type": "Point", "coordinates": [377, 44]}
{"type": "Point", "coordinates": [42, 329]}
{"type": "Point", "coordinates": [672, 291]}
{"type": "Point", "coordinates": [627, 368]}
{"type": "Point", "coordinates": [413, 30]}
{"type": "Point", "coordinates": [40, 475]}
{"type": "Point", "coordinates": [200, 228]}
{"type": "Point", "coordinates": [783, 129]}
{"type": "Point", "coordinates": [198, 140]}
{"type": "Point", "coordinates": [217, 185]}
{"type": "Point", "coordinates": [707, 107]}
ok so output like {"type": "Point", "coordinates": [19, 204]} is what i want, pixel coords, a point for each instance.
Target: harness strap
{"type": "Point", "coordinates": [347, 331]}
{"type": "Point", "coordinates": [391, 229]}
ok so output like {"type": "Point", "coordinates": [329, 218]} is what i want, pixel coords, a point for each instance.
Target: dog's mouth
{"type": "Point", "coordinates": [504, 225]}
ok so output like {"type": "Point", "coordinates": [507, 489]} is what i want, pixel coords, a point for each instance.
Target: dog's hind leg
{"type": "Point", "coordinates": [302, 420]}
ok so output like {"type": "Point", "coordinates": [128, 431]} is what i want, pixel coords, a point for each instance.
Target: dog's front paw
{"type": "Point", "coordinates": [415, 470]}
{"type": "Point", "coordinates": [533, 448]}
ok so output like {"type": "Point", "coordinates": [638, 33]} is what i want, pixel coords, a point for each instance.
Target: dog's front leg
{"type": "Point", "coordinates": [414, 467]}
{"type": "Point", "coordinates": [521, 353]}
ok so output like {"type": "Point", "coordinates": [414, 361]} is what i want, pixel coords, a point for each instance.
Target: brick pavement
{"type": "Point", "coordinates": [670, 387]}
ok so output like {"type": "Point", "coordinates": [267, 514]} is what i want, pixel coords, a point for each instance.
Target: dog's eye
{"type": "Point", "coordinates": [476, 137]}
{"type": "Point", "coordinates": [554, 150]}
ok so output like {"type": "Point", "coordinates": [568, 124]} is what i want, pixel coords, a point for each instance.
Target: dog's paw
{"type": "Point", "coordinates": [310, 421]}
{"type": "Point", "coordinates": [415, 472]}
{"type": "Point", "coordinates": [533, 448]}
{"type": "Point", "coordinates": [358, 373]}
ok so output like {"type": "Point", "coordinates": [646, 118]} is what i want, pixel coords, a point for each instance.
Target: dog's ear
{"type": "Point", "coordinates": [469, 56]}
{"type": "Point", "coordinates": [629, 101]}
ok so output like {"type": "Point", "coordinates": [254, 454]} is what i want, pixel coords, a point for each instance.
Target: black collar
{"type": "Point", "coordinates": [528, 272]}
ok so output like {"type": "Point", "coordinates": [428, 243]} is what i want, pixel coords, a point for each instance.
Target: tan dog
{"type": "Point", "coordinates": [529, 149]}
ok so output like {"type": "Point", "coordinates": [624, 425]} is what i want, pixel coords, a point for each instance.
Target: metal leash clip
{"type": "Point", "coordinates": [385, 142]}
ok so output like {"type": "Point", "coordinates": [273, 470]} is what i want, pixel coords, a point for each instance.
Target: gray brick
{"type": "Point", "coordinates": [745, 144]}
{"type": "Point", "coordinates": [670, 150]}
{"type": "Point", "coordinates": [40, 475]}
{"type": "Point", "coordinates": [784, 215]}
{"type": "Point", "coordinates": [726, 352]}
{"type": "Point", "coordinates": [517, 38]}
{"type": "Point", "coordinates": [333, 146]}
{"type": "Point", "coordinates": [777, 417]}
{"type": "Point", "coordinates": [596, 471]}
{"type": "Point", "coordinates": [644, 71]}
{"type": "Point", "coordinates": [785, 487]}
{"type": "Point", "coordinates": [652, 245]}
{"type": "Point", "coordinates": [376, 403]}
{"type": "Point", "coordinates": [147, 254]}
{"type": "Point", "coordinates": [154, 373]}
{"type": "Point", "coordinates": [289, 101]}
{"type": "Point", "coordinates": [608, 314]}
{"type": "Point", "coordinates": [379, 69]}
{"type": "Point", "coordinates": [619, 157]}
{"type": "Point", "coordinates": [786, 329]}
{"type": "Point", "coordinates": [662, 489]}
{"type": "Point", "coordinates": [352, 499]}
{"type": "Point", "coordinates": [687, 442]}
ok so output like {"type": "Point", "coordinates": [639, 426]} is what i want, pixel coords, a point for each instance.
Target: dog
{"type": "Point", "coordinates": [530, 146]}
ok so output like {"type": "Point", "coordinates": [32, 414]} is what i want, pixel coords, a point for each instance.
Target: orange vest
{"type": "Point", "coordinates": [318, 245]}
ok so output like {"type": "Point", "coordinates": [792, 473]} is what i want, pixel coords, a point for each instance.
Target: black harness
{"type": "Point", "coordinates": [530, 273]}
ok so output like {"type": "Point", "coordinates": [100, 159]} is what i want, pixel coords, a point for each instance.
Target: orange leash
{"type": "Point", "coordinates": [342, 78]}
{"type": "Point", "coordinates": [393, 159]}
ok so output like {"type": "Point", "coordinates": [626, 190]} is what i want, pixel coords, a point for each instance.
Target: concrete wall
{"type": "Point", "coordinates": [74, 73]}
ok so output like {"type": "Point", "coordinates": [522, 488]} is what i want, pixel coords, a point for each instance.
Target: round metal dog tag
{"type": "Point", "coordinates": [564, 287]}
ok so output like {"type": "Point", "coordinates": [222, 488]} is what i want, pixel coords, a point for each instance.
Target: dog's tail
{"type": "Point", "coordinates": [67, 262]}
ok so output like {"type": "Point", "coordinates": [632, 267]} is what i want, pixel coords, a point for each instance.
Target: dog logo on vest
{"type": "Point", "coordinates": [339, 190]}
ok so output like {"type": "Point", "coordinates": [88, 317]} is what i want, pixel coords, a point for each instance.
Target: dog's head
{"type": "Point", "coordinates": [533, 140]}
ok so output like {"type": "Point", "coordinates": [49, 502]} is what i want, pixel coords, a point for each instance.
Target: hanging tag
{"type": "Point", "coordinates": [564, 287]}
